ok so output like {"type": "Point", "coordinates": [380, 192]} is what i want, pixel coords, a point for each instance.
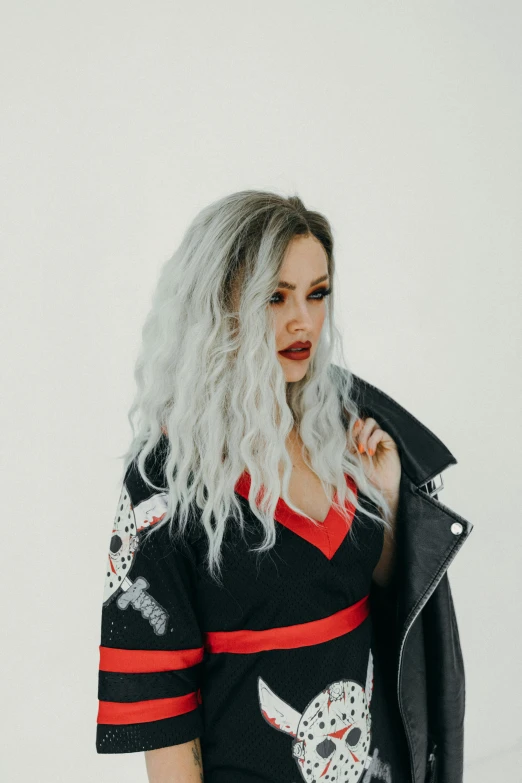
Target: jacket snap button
{"type": "Point", "coordinates": [456, 528]}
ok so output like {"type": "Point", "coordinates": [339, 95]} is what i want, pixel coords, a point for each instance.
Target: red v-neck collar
{"type": "Point", "coordinates": [327, 536]}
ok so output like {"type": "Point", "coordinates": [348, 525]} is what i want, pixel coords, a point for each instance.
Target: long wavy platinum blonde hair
{"type": "Point", "coordinates": [210, 386]}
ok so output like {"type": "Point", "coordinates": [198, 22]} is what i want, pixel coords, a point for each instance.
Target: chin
{"type": "Point", "coordinates": [293, 374]}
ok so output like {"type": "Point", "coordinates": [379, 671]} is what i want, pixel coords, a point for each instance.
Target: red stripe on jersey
{"type": "Point", "coordinates": [113, 659]}
{"type": "Point", "coordinates": [327, 535]}
{"type": "Point", "coordinates": [119, 713]}
{"type": "Point", "coordinates": [290, 636]}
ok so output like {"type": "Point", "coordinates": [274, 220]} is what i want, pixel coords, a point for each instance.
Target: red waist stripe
{"type": "Point", "coordinates": [290, 636]}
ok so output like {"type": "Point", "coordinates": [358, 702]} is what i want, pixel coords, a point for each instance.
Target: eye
{"type": "Point", "coordinates": [322, 292]}
{"type": "Point", "coordinates": [317, 296]}
{"type": "Point", "coordinates": [116, 544]}
{"type": "Point", "coordinates": [325, 748]}
{"type": "Point", "coordinates": [353, 737]}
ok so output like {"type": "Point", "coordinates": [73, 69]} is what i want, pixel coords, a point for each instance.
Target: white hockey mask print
{"type": "Point", "coordinates": [129, 521]}
{"type": "Point", "coordinates": [332, 736]}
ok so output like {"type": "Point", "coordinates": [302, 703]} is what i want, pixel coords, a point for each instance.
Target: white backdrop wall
{"type": "Point", "coordinates": [120, 120]}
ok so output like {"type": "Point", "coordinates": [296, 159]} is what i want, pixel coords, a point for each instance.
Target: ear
{"type": "Point", "coordinates": [277, 712]}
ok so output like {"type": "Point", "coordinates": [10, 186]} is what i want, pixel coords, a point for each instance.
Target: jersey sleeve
{"type": "Point", "coordinates": [151, 649]}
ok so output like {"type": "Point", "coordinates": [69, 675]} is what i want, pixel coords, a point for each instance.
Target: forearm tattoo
{"type": "Point", "coordinates": [197, 759]}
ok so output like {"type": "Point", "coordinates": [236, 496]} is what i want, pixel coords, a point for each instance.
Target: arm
{"type": "Point", "coordinates": [384, 570]}
{"type": "Point", "coordinates": [151, 651]}
{"type": "Point", "coordinates": [382, 466]}
{"type": "Point", "coordinates": [175, 764]}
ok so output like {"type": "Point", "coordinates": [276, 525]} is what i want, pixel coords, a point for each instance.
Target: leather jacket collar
{"type": "Point", "coordinates": [423, 454]}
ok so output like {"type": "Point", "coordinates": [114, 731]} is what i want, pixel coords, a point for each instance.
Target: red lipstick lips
{"type": "Point", "coordinates": [297, 351]}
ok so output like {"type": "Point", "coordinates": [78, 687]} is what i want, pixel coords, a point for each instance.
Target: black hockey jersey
{"type": "Point", "coordinates": [272, 669]}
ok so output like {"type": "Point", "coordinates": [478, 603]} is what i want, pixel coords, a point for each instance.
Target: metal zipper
{"type": "Point", "coordinates": [438, 473]}
{"type": "Point", "coordinates": [432, 765]}
{"type": "Point", "coordinates": [422, 603]}
{"type": "Point", "coordinates": [431, 488]}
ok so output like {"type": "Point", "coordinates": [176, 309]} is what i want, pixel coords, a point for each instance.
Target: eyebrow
{"type": "Point", "coordinates": [291, 287]}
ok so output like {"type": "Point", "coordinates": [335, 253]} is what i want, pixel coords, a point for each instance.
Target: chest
{"type": "Point", "coordinates": [310, 572]}
{"type": "Point", "coordinates": [307, 493]}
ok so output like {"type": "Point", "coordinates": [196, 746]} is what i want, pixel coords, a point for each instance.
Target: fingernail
{"type": "Point", "coordinates": [371, 452]}
{"type": "Point", "coordinates": [361, 447]}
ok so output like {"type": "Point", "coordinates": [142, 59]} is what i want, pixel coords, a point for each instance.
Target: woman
{"type": "Point", "coordinates": [257, 603]}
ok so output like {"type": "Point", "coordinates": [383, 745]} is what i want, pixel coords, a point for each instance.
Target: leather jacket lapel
{"type": "Point", "coordinates": [428, 539]}
{"type": "Point", "coordinates": [423, 454]}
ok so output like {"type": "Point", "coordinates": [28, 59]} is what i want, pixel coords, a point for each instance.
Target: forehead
{"type": "Point", "coordinates": [305, 261]}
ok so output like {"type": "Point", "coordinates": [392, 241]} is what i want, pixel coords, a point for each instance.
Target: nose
{"type": "Point", "coordinates": [299, 316]}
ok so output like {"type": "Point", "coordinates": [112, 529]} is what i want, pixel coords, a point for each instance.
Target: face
{"type": "Point", "coordinates": [298, 304]}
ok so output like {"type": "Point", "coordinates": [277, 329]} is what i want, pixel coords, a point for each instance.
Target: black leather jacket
{"type": "Point", "coordinates": [420, 644]}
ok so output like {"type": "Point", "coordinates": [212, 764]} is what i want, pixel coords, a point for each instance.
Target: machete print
{"type": "Point", "coordinates": [129, 522]}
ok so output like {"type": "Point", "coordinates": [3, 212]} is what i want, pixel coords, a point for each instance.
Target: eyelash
{"type": "Point", "coordinates": [324, 291]}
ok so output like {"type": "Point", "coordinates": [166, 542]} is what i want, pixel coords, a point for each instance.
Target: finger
{"type": "Point", "coordinates": [363, 435]}
{"type": "Point", "coordinates": [357, 431]}
{"type": "Point", "coordinates": [373, 441]}
{"type": "Point", "coordinates": [354, 434]}
{"type": "Point", "coordinates": [359, 424]}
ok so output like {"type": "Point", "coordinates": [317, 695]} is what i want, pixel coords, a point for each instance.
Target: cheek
{"type": "Point", "coordinates": [278, 323]}
{"type": "Point", "coordinates": [319, 321]}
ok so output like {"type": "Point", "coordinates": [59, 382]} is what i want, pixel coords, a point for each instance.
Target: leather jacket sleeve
{"type": "Point", "coordinates": [445, 670]}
